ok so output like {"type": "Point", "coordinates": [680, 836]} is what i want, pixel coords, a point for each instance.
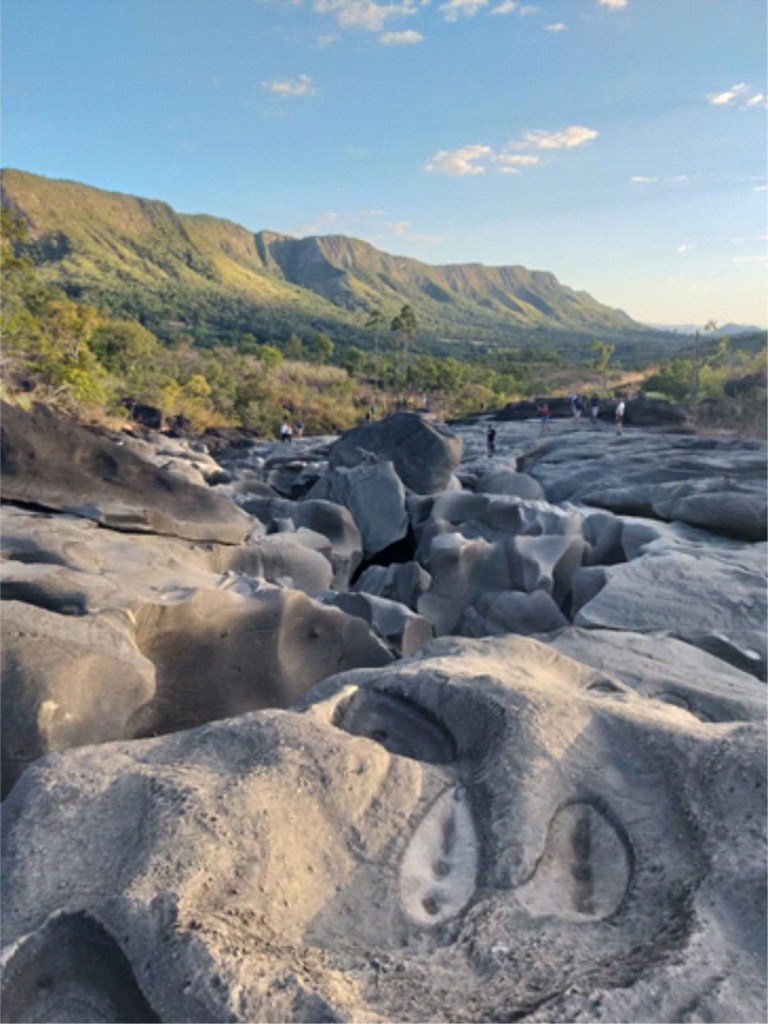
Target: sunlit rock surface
{"type": "Point", "coordinates": [233, 799]}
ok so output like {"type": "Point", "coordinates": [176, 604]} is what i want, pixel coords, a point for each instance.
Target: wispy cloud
{"type": "Point", "coordinates": [568, 138]}
{"type": "Point", "coordinates": [510, 163]}
{"type": "Point", "coordinates": [367, 15]}
{"type": "Point", "coordinates": [301, 86]}
{"type": "Point", "coordinates": [455, 9]}
{"type": "Point", "coordinates": [475, 159]}
{"type": "Point", "coordinates": [400, 38]}
{"type": "Point", "coordinates": [512, 6]}
{"type": "Point", "coordinates": [613, 5]}
{"type": "Point", "coordinates": [558, 26]}
{"type": "Point", "coordinates": [643, 179]}
{"type": "Point", "coordinates": [459, 162]}
{"type": "Point", "coordinates": [686, 247]}
{"type": "Point", "coordinates": [402, 229]}
{"type": "Point", "coordinates": [740, 95]}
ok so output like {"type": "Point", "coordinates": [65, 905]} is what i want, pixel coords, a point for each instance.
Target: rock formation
{"type": "Point", "coordinates": [247, 784]}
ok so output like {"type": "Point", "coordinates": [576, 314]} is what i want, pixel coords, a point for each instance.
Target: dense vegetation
{"type": "Point", "coordinates": [214, 281]}
{"type": "Point", "coordinates": [81, 357]}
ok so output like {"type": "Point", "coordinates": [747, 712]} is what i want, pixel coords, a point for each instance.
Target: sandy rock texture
{"type": "Point", "coordinates": [246, 782]}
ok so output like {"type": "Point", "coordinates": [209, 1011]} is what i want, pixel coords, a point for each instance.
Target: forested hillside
{"type": "Point", "coordinates": [217, 281]}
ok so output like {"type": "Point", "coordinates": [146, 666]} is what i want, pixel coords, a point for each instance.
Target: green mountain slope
{"type": "Point", "coordinates": [217, 280]}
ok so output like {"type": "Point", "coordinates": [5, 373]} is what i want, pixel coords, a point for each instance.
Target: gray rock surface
{"type": "Point", "coordinates": [232, 804]}
{"type": "Point", "coordinates": [483, 825]}
{"type": "Point", "coordinates": [375, 496]}
{"type": "Point", "coordinates": [424, 453]}
{"type": "Point", "coordinates": [61, 465]}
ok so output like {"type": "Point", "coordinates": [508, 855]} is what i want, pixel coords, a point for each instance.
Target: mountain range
{"type": "Point", "coordinates": [217, 280]}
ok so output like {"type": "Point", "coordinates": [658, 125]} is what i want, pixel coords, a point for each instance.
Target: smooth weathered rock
{"type": "Point", "coordinates": [393, 621]}
{"type": "Point", "coordinates": [403, 582]}
{"type": "Point", "coordinates": [58, 464]}
{"type": "Point", "coordinates": [375, 496]}
{"type": "Point", "coordinates": [424, 453]}
{"type": "Point", "coordinates": [328, 518]}
{"type": "Point", "coordinates": [508, 481]}
{"type": "Point", "coordinates": [66, 681]}
{"type": "Point", "coordinates": [668, 670]}
{"type": "Point", "coordinates": [483, 825]}
{"type": "Point", "coordinates": [700, 596]}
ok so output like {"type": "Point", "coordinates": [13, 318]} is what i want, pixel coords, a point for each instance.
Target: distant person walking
{"type": "Point", "coordinates": [577, 406]}
{"type": "Point", "coordinates": [299, 428]}
{"type": "Point", "coordinates": [594, 409]}
{"type": "Point", "coordinates": [286, 432]}
{"type": "Point", "coordinates": [620, 411]}
{"type": "Point", "coordinates": [491, 441]}
{"type": "Point", "coordinates": [545, 416]}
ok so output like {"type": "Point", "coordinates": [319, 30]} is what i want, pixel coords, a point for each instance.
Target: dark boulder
{"type": "Point", "coordinates": [58, 464]}
{"type": "Point", "coordinates": [423, 452]}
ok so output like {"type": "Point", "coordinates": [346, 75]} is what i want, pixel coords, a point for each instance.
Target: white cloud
{"type": "Point", "coordinates": [402, 229]}
{"type": "Point", "coordinates": [760, 188]}
{"type": "Point", "coordinates": [740, 95]}
{"type": "Point", "coordinates": [568, 138]}
{"type": "Point", "coordinates": [400, 38]}
{"type": "Point", "coordinates": [558, 26]}
{"type": "Point", "coordinates": [455, 9]}
{"type": "Point", "coordinates": [301, 86]}
{"type": "Point", "coordinates": [459, 162]}
{"type": "Point", "coordinates": [364, 14]}
{"type": "Point", "coordinates": [529, 9]}
{"type": "Point", "coordinates": [686, 247]}
{"type": "Point", "coordinates": [642, 179]}
{"type": "Point", "coordinates": [505, 8]}
{"type": "Point", "coordinates": [510, 163]}
{"type": "Point", "coordinates": [613, 5]}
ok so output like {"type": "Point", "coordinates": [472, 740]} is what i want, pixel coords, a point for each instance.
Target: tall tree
{"type": "Point", "coordinates": [404, 327]}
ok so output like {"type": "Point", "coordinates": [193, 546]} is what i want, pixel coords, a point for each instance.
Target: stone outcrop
{"type": "Point", "coordinates": [60, 465]}
{"type": "Point", "coordinates": [486, 823]}
{"type": "Point", "coordinates": [423, 452]}
{"type": "Point", "coordinates": [247, 784]}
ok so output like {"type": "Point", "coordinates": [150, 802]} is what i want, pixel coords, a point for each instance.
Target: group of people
{"type": "Point", "coordinates": [286, 430]}
{"type": "Point", "coordinates": [579, 405]}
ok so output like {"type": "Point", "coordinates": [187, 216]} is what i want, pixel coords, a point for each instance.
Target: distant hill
{"type": "Point", "coordinates": [729, 329]}
{"type": "Point", "coordinates": [216, 280]}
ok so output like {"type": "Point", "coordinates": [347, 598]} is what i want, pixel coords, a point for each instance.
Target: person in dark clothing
{"type": "Point", "coordinates": [491, 440]}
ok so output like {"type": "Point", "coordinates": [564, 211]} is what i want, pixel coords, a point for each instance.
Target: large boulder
{"type": "Point", "coordinates": [61, 465]}
{"type": "Point", "coordinates": [485, 829]}
{"type": "Point", "coordinates": [424, 453]}
{"type": "Point", "coordinates": [67, 680]}
{"type": "Point", "coordinates": [667, 670]}
{"type": "Point", "coordinates": [375, 496]}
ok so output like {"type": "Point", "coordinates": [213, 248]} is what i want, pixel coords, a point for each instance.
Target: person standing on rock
{"type": "Point", "coordinates": [491, 441]}
{"type": "Point", "coordinates": [620, 410]}
{"type": "Point", "coordinates": [594, 409]}
{"type": "Point", "coordinates": [544, 413]}
{"type": "Point", "coordinates": [286, 432]}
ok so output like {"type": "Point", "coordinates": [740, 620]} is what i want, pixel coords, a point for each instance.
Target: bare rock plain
{"type": "Point", "coordinates": [381, 729]}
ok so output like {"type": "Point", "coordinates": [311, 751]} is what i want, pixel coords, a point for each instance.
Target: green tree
{"type": "Point", "coordinates": [404, 327]}
{"type": "Point", "coordinates": [124, 347]}
{"type": "Point", "coordinates": [270, 356]}
{"type": "Point", "coordinates": [321, 348]}
{"type": "Point", "coordinates": [603, 351]}
{"type": "Point", "coordinates": [294, 348]}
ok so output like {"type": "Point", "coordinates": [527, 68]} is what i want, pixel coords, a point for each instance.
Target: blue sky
{"type": "Point", "coordinates": [620, 144]}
